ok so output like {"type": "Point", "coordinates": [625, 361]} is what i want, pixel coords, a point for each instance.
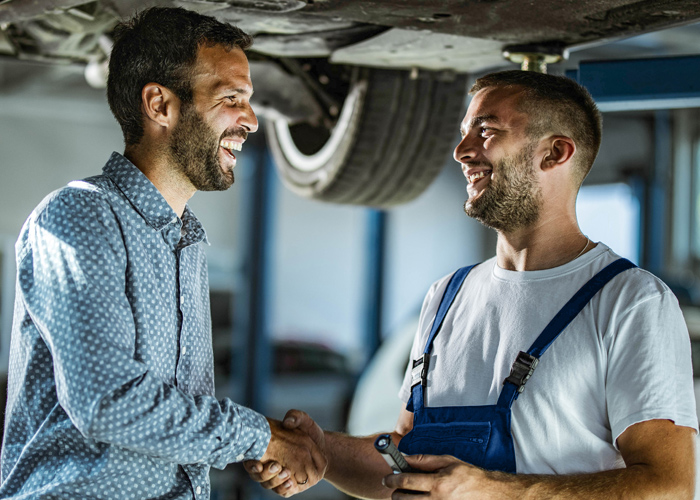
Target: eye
{"type": "Point", "coordinates": [486, 131]}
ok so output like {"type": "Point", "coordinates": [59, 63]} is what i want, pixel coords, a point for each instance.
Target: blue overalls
{"type": "Point", "coordinates": [480, 435]}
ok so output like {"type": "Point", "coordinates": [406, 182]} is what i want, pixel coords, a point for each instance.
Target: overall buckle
{"type": "Point", "coordinates": [419, 372]}
{"type": "Point", "coordinates": [523, 368]}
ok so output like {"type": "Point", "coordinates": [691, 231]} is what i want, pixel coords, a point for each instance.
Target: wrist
{"type": "Point", "coordinates": [333, 442]}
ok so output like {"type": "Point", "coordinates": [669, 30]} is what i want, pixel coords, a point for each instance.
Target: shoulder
{"type": "Point", "coordinates": [90, 198]}
{"type": "Point", "coordinates": [636, 286]}
{"type": "Point", "coordinates": [79, 214]}
{"type": "Point", "coordinates": [479, 273]}
{"type": "Point", "coordinates": [638, 303]}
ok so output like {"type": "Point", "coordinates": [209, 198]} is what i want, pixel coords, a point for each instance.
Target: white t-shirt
{"type": "Point", "coordinates": [624, 359]}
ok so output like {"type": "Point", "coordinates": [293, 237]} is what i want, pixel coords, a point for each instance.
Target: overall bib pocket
{"type": "Point", "coordinates": [465, 440]}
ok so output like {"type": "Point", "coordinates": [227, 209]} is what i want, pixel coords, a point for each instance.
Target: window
{"type": "Point", "coordinates": [610, 213]}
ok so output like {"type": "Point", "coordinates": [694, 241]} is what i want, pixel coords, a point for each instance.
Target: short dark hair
{"type": "Point", "coordinates": [555, 104]}
{"type": "Point", "coordinates": [160, 45]}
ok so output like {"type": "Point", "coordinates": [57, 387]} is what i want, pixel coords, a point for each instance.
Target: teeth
{"type": "Point", "coordinates": [236, 146]}
{"type": "Point", "coordinates": [479, 175]}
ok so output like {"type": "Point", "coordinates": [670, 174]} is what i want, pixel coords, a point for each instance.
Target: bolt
{"type": "Point", "coordinates": [531, 59]}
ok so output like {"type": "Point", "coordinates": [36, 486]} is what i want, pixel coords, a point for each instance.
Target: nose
{"type": "Point", "coordinates": [466, 150]}
{"type": "Point", "coordinates": [248, 120]}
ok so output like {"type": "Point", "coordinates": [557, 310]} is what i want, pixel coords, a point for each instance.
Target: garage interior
{"type": "Point", "coordinates": [315, 304]}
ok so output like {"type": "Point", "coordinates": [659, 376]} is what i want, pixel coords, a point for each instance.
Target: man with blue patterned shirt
{"type": "Point", "coordinates": [111, 390]}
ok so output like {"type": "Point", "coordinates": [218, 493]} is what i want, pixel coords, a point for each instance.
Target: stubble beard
{"type": "Point", "coordinates": [194, 150]}
{"type": "Point", "coordinates": [512, 200]}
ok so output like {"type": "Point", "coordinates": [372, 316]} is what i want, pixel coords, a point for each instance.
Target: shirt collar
{"type": "Point", "coordinates": [194, 231]}
{"type": "Point", "coordinates": [149, 202]}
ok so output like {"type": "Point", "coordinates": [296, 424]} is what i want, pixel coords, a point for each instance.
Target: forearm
{"type": "Point", "coordinates": [355, 467]}
{"type": "Point", "coordinates": [158, 420]}
{"type": "Point", "coordinates": [634, 482]}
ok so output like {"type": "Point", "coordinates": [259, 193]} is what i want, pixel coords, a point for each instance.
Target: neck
{"type": "Point", "coordinates": [548, 243]}
{"type": "Point", "coordinates": [154, 163]}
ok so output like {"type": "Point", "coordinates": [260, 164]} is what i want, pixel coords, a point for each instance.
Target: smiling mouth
{"type": "Point", "coordinates": [231, 145]}
{"type": "Point", "coordinates": [479, 175]}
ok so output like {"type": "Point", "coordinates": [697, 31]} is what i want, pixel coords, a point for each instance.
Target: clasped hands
{"type": "Point", "coordinates": [295, 459]}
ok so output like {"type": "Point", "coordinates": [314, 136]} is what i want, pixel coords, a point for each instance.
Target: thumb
{"type": "Point", "coordinates": [294, 419]}
{"type": "Point", "coordinates": [430, 463]}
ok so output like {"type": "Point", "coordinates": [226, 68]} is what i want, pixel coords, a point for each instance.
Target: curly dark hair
{"type": "Point", "coordinates": [556, 105]}
{"type": "Point", "coordinates": [160, 45]}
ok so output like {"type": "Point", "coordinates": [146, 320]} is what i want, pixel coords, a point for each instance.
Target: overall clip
{"type": "Point", "coordinates": [522, 370]}
{"type": "Point", "coordinates": [419, 372]}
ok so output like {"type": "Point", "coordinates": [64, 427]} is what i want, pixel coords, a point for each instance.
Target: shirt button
{"type": "Point", "coordinates": [182, 299]}
{"type": "Point", "coordinates": [184, 350]}
{"type": "Point", "coordinates": [199, 490]}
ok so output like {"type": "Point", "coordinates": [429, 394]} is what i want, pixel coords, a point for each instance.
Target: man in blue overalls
{"type": "Point", "coordinates": [553, 370]}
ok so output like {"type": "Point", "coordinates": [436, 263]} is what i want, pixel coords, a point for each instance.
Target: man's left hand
{"type": "Point", "coordinates": [445, 478]}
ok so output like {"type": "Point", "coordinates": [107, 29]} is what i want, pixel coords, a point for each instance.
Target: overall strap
{"type": "Point", "coordinates": [525, 363]}
{"type": "Point", "coordinates": [420, 365]}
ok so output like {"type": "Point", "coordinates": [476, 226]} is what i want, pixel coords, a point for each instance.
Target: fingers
{"type": "Point", "coordinates": [280, 483]}
{"type": "Point", "coordinates": [408, 495]}
{"type": "Point", "coordinates": [420, 483]}
{"type": "Point", "coordinates": [272, 476]}
{"type": "Point", "coordinates": [313, 472]}
{"type": "Point", "coordinates": [320, 464]}
{"type": "Point", "coordinates": [294, 418]}
{"type": "Point", "coordinates": [297, 444]}
{"type": "Point", "coordinates": [264, 472]}
{"type": "Point", "coordinates": [253, 467]}
{"type": "Point", "coordinates": [287, 489]}
{"type": "Point", "coordinates": [297, 419]}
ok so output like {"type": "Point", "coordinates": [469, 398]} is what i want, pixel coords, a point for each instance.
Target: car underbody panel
{"type": "Point", "coordinates": [445, 34]}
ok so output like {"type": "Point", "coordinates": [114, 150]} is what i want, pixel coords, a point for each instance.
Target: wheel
{"type": "Point", "coordinates": [390, 140]}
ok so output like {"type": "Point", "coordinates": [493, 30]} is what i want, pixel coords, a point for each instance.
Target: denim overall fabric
{"type": "Point", "coordinates": [481, 435]}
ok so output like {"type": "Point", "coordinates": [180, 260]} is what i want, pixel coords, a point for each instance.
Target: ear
{"type": "Point", "coordinates": [161, 105]}
{"type": "Point", "coordinates": [559, 152]}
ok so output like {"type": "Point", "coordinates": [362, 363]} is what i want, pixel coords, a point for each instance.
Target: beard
{"type": "Point", "coordinates": [512, 200]}
{"type": "Point", "coordinates": [194, 150]}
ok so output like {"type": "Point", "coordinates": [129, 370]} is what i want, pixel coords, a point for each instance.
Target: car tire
{"type": "Point", "coordinates": [391, 139]}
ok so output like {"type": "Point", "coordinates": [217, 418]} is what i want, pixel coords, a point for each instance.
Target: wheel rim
{"type": "Point", "coordinates": [311, 163]}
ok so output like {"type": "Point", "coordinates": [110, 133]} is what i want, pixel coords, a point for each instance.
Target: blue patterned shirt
{"type": "Point", "coordinates": [111, 387]}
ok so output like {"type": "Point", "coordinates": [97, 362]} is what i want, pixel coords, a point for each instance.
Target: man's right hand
{"type": "Point", "coordinates": [295, 459]}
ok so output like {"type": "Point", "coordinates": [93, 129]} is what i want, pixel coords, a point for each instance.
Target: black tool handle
{"type": "Point", "coordinates": [391, 454]}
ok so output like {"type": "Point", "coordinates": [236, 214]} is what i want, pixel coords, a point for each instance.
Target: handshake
{"type": "Point", "coordinates": [295, 459]}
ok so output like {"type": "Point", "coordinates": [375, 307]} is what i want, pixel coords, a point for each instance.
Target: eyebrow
{"type": "Point", "coordinates": [223, 88]}
{"type": "Point", "coordinates": [483, 118]}
{"type": "Point", "coordinates": [226, 90]}
{"type": "Point", "coordinates": [478, 120]}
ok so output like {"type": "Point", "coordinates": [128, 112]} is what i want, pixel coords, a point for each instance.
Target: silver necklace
{"type": "Point", "coordinates": [583, 249]}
